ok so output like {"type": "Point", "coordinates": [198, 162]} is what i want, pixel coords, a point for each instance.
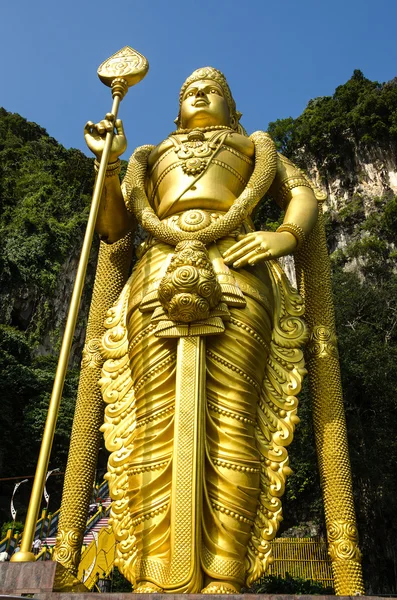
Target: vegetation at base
{"type": "Point", "coordinates": [119, 582]}
{"type": "Point", "coordinates": [44, 198]}
{"type": "Point", "coordinates": [275, 584]}
{"type": "Point", "coordinates": [16, 526]}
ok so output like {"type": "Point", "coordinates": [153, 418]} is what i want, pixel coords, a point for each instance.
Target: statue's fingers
{"type": "Point", "coordinates": [258, 257]}
{"type": "Point", "coordinates": [109, 126]}
{"type": "Point", "coordinates": [101, 128]}
{"type": "Point", "coordinates": [233, 249]}
{"type": "Point", "coordinates": [109, 117]}
{"type": "Point", "coordinates": [246, 236]}
{"type": "Point", "coordinates": [244, 260]}
{"type": "Point", "coordinates": [253, 257]}
{"type": "Point", "coordinates": [240, 252]}
{"type": "Point", "coordinates": [89, 127]}
{"type": "Point", "coordinates": [119, 127]}
{"type": "Point", "coordinates": [236, 247]}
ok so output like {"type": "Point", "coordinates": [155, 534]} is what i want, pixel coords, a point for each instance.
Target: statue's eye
{"type": "Point", "coordinates": [189, 94]}
{"type": "Point", "coordinates": [214, 91]}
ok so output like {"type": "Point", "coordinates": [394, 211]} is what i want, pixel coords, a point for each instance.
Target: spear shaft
{"type": "Point", "coordinates": [25, 554]}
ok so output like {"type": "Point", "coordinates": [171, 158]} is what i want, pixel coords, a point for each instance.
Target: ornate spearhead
{"type": "Point", "coordinates": [126, 67]}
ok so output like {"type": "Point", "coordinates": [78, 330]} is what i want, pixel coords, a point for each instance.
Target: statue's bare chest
{"type": "Point", "coordinates": [199, 170]}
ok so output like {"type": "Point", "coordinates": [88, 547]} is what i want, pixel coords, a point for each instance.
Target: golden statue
{"type": "Point", "coordinates": [200, 357]}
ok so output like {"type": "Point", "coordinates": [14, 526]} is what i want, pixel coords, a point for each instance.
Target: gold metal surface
{"type": "Point", "coordinates": [98, 557]}
{"type": "Point", "coordinates": [306, 558]}
{"type": "Point", "coordinates": [70, 531]}
{"type": "Point", "coordinates": [85, 439]}
{"type": "Point", "coordinates": [202, 353]}
{"type": "Point", "coordinates": [119, 88]}
{"type": "Point", "coordinates": [314, 277]}
{"type": "Point", "coordinates": [127, 64]}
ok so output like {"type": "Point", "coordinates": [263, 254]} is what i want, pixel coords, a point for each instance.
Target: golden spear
{"type": "Point", "coordinates": [121, 71]}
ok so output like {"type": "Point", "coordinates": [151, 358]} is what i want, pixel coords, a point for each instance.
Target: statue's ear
{"type": "Point", "coordinates": [233, 122]}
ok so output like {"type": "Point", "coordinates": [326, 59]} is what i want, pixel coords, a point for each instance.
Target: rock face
{"type": "Point", "coordinates": [369, 178]}
{"type": "Point", "coordinates": [371, 174]}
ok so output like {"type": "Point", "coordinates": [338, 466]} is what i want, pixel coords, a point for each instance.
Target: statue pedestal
{"type": "Point", "coordinates": [128, 596]}
{"type": "Point", "coordinates": [34, 578]}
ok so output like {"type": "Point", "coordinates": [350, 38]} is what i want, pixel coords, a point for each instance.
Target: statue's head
{"type": "Point", "coordinates": [205, 99]}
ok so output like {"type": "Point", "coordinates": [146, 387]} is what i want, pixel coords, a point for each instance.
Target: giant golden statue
{"type": "Point", "coordinates": [200, 358]}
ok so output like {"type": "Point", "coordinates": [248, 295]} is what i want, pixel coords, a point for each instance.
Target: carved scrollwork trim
{"type": "Point", "coordinates": [276, 417]}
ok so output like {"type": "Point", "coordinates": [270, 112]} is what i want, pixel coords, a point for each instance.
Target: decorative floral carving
{"type": "Point", "coordinates": [68, 547]}
{"type": "Point", "coordinates": [194, 220]}
{"type": "Point", "coordinates": [322, 342]}
{"type": "Point", "coordinates": [194, 166]}
{"type": "Point", "coordinates": [92, 354]}
{"type": "Point", "coordinates": [343, 541]}
{"type": "Point", "coordinates": [189, 289]}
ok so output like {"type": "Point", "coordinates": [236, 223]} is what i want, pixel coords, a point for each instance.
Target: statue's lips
{"type": "Point", "coordinates": [201, 102]}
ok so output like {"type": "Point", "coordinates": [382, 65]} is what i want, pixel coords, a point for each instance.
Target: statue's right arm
{"type": "Point", "coordinates": [113, 221]}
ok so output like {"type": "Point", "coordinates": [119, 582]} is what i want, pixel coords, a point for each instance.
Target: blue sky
{"type": "Point", "coordinates": [276, 56]}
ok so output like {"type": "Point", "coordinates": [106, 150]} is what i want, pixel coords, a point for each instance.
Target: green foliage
{"type": "Point", "coordinates": [25, 388]}
{"type": "Point", "coordinates": [44, 201]}
{"type": "Point", "coordinates": [302, 501]}
{"type": "Point", "coordinates": [45, 196]}
{"type": "Point", "coordinates": [268, 216]}
{"type": "Point", "coordinates": [119, 582]}
{"type": "Point", "coordinates": [282, 132]}
{"type": "Point", "coordinates": [16, 526]}
{"type": "Point", "coordinates": [361, 113]}
{"type": "Point", "coordinates": [275, 584]}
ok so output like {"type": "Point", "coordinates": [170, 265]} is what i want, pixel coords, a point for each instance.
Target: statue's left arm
{"type": "Point", "coordinates": [292, 190]}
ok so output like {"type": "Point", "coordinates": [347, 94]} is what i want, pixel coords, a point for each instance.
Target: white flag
{"type": "Point", "coordinates": [13, 511]}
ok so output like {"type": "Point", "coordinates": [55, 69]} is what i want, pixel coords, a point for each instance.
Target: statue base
{"type": "Point", "coordinates": [129, 596]}
{"type": "Point", "coordinates": [39, 577]}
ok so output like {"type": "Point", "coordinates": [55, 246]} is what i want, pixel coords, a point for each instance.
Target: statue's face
{"type": "Point", "coordinates": [204, 104]}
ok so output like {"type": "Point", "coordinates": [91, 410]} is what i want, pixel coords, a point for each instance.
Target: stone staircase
{"type": "Point", "coordinates": [93, 526]}
{"type": "Point", "coordinates": [88, 537]}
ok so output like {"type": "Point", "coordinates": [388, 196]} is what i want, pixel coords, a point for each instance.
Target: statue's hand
{"type": "Point", "coordinates": [95, 135]}
{"type": "Point", "coordinates": [259, 245]}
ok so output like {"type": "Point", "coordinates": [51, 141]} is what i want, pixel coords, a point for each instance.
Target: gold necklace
{"type": "Point", "coordinates": [196, 152]}
{"type": "Point", "coordinates": [202, 129]}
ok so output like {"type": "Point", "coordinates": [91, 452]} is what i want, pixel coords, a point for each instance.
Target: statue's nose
{"type": "Point", "coordinates": [200, 94]}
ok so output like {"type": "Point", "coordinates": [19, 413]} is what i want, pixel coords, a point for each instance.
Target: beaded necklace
{"type": "Point", "coordinates": [203, 129]}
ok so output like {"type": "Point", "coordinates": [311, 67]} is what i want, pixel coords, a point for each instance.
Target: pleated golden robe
{"type": "Point", "coordinates": [196, 491]}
